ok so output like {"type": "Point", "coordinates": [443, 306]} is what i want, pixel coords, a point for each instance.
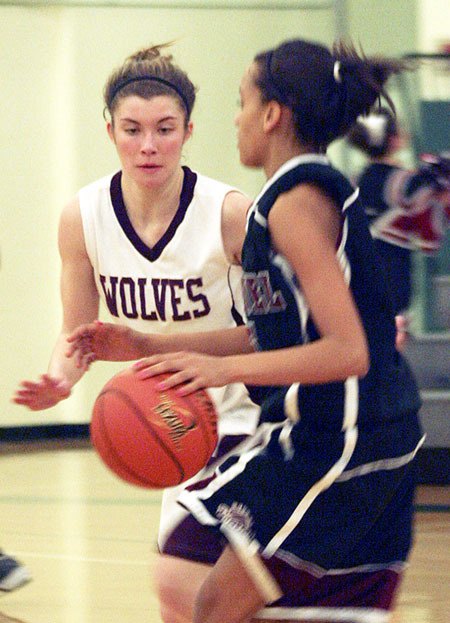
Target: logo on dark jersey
{"type": "Point", "coordinates": [259, 298]}
{"type": "Point", "coordinates": [237, 516]}
{"type": "Point", "coordinates": [155, 299]}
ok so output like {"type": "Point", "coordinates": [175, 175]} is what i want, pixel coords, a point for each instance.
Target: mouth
{"type": "Point", "coordinates": [149, 167]}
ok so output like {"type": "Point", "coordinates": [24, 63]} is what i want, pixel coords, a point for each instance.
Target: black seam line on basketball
{"type": "Point", "coordinates": [106, 442]}
{"type": "Point", "coordinates": [144, 421]}
{"type": "Point", "coordinates": [129, 474]}
{"type": "Point", "coordinates": [191, 398]}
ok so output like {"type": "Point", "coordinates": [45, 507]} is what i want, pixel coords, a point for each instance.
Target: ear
{"type": "Point", "coordinates": [188, 133]}
{"type": "Point", "coordinates": [272, 116]}
{"type": "Point", "coordinates": [110, 131]}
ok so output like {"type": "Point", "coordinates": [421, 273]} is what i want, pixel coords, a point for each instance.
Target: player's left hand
{"type": "Point", "coordinates": [189, 371]}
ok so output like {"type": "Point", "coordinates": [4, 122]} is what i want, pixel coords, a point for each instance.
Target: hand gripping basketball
{"type": "Point", "coordinates": [149, 437]}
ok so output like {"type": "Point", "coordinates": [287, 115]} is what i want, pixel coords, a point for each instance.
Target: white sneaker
{"type": "Point", "coordinates": [12, 573]}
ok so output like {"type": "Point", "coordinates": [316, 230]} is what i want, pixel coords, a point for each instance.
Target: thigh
{"type": "Point", "coordinates": [228, 594]}
{"type": "Point", "coordinates": [177, 584]}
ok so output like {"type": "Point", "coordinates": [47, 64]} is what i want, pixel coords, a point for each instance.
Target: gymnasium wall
{"type": "Point", "coordinates": [54, 62]}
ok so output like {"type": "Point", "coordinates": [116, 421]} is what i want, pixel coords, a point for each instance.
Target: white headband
{"type": "Point", "coordinates": [376, 128]}
{"type": "Point", "coordinates": [337, 72]}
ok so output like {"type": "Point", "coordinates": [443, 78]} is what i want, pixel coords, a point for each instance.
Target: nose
{"type": "Point", "coordinates": [148, 143]}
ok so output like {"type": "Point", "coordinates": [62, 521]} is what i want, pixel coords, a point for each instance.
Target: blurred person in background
{"type": "Point", "coordinates": [407, 210]}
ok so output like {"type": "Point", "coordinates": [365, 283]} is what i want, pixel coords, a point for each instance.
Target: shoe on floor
{"type": "Point", "coordinates": [12, 573]}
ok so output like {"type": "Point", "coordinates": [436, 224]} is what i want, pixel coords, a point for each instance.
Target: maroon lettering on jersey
{"type": "Point", "coordinates": [159, 295]}
{"type": "Point", "coordinates": [259, 298]}
{"type": "Point", "coordinates": [127, 289]}
{"type": "Point", "coordinates": [193, 288]}
{"type": "Point", "coordinates": [110, 294]}
{"type": "Point", "coordinates": [155, 299]}
{"type": "Point", "coordinates": [176, 285]}
{"type": "Point", "coordinates": [145, 315]}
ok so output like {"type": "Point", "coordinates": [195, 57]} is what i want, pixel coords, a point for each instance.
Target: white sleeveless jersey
{"type": "Point", "coordinates": [184, 283]}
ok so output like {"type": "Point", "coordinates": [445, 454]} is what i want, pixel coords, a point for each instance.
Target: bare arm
{"type": "Point", "coordinates": [234, 218]}
{"type": "Point", "coordinates": [79, 296]}
{"type": "Point", "coordinates": [80, 303]}
{"type": "Point", "coordinates": [304, 225]}
{"type": "Point", "coordinates": [111, 342]}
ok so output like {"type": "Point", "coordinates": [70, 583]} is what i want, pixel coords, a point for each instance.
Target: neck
{"type": "Point", "coordinates": [277, 157]}
{"type": "Point", "coordinates": [152, 201]}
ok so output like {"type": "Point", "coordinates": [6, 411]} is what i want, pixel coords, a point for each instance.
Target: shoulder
{"type": "Point", "coordinates": [96, 187]}
{"type": "Point", "coordinates": [70, 213]}
{"type": "Point", "coordinates": [236, 202]}
{"type": "Point", "coordinates": [306, 198]}
{"type": "Point", "coordinates": [234, 217]}
{"type": "Point", "coordinates": [315, 171]}
{"type": "Point", "coordinates": [70, 233]}
{"type": "Point", "coordinates": [302, 210]}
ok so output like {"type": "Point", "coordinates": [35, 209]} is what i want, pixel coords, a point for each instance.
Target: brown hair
{"type": "Point", "coordinates": [148, 73]}
{"type": "Point", "coordinates": [325, 89]}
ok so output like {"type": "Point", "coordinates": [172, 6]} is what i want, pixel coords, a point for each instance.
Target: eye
{"type": "Point", "coordinates": [131, 131]}
{"type": "Point", "coordinates": [166, 129]}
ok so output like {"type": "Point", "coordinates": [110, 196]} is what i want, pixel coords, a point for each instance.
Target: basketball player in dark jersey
{"type": "Point", "coordinates": [405, 208]}
{"type": "Point", "coordinates": [316, 508]}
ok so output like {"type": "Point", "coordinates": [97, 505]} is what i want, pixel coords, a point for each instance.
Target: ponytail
{"type": "Point", "coordinates": [326, 90]}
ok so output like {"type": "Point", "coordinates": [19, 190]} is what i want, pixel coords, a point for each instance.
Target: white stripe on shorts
{"type": "Point", "coordinates": [344, 615]}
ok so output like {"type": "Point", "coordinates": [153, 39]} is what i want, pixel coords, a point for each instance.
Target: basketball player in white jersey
{"type": "Point", "coordinates": [160, 246]}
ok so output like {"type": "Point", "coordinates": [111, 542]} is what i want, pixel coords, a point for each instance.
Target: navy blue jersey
{"type": "Point", "coordinates": [279, 316]}
{"type": "Point", "coordinates": [395, 257]}
{"type": "Point", "coordinates": [318, 503]}
{"type": "Point", "coordinates": [372, 185]}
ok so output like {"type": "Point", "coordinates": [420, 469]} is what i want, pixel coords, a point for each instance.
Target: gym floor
{"type": "Point", "coordinates": [89, 542]}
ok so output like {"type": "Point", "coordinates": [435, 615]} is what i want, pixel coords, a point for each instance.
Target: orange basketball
{"type": "Point", "coordinates": [152, 438]}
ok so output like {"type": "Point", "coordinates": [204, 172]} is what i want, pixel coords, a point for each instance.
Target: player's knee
{"type": "Point", "coordinates": [177, 583]}
{"type": "Point", "coordinates": [204, 607]}
{"type": "Point", "coordinates": [171, 610]}
{"type": "Point", "coordinates": [169, 600]}
{"type": "Point", "coordinates": [169, 615]}
{"type": "Point", "coordinates": [209, 603]}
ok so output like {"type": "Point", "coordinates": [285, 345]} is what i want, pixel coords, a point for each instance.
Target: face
{"type": "Point", "coordinates": [149, 136]}
{"type": "Point", "coordinates": [249, 121]}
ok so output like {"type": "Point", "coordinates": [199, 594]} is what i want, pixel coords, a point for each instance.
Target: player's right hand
{"type": "Point", "coordinates": [101, 341]}
{"type": "Point", "coordinates": [42, 394]}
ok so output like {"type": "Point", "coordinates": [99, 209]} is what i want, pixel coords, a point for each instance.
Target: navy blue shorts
{"type": "Point", "coordinates": [188, 538]}
{"type": "Point", "coordinates": [320, 541]}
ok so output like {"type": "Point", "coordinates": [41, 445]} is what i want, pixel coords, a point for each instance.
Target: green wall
{"type": "Point", "coordinates": [54, 61]}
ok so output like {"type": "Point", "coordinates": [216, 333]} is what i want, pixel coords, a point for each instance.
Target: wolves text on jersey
{"type": "Point", "coordinates": [155, 299]}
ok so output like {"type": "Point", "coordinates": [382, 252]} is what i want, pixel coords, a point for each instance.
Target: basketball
{"type": "Point", "coordinates": [152, 438]}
